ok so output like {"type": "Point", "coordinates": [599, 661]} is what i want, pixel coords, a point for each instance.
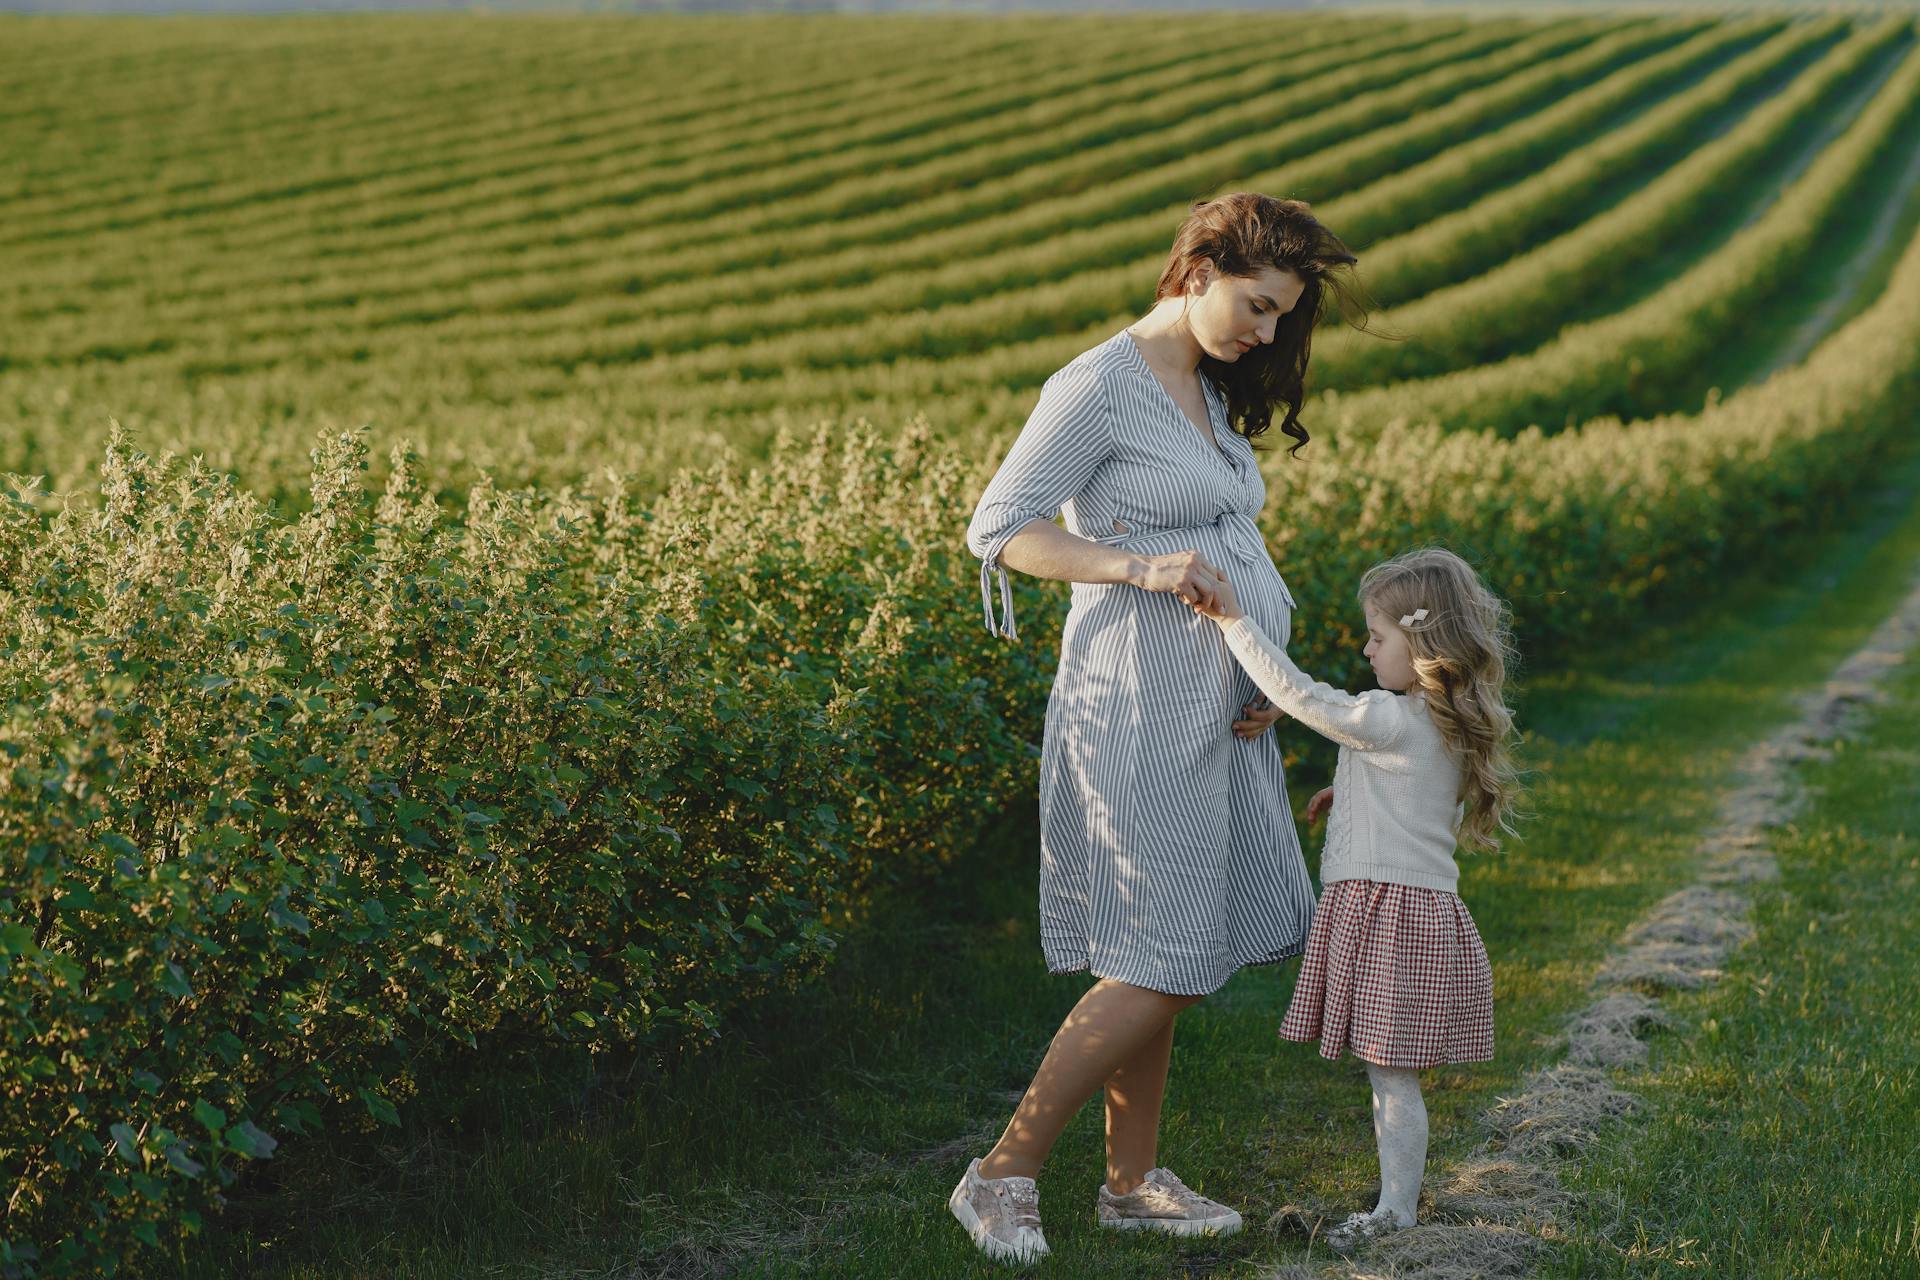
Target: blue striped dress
{"type": "Point", "coordinates": [1168, 854]}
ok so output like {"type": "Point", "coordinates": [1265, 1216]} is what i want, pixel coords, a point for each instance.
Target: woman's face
{"type": "Point", "coordinates": [1387, 651]}
{"type": "Point", "coordinates": [1231, 315]}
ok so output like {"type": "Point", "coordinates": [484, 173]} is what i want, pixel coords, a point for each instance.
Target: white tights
{"type": "Point", "coordinates": [1400, 1127]}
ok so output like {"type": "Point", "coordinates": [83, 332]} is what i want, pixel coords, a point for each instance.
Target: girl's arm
{"type": "Point", "coordinates": [1371, 721]}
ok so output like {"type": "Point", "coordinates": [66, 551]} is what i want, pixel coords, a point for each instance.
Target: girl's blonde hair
{"type": "Point", "coordinates": [1461, 648]}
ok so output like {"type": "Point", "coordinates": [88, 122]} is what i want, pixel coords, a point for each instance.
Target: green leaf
{"type": "Point", "coordinates": [126, 1144]}
{"type": "Point", "coordinates": [250, 1140]}
{"type": "Point", "coordinates": [177, 1157]}
{"type": "Point", "coordinates": [209, 1115]}
{"type": "Point", "coordinates": [174, 982]}
{"type": "Point", "coordinates": [379, 1108]}
{"type": "Point", "coordinates": [287, 918]}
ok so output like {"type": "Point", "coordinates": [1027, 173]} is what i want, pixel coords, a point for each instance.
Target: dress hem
{"type": "Point", "coordinates": [1084, 965]}
{"type": "Point", "coordinates": [1403, 1065]}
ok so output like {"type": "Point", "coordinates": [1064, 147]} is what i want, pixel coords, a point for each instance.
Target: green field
{"type": "Point", "coordinates": [438, 785]}
{"type": "Point", "coordinates": [543, 243]}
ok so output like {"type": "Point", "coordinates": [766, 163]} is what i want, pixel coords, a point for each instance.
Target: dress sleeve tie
{"type": "Point", "coordinates": [1004, 628]}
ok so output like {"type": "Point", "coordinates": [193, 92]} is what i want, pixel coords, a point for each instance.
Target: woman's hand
{"type": "Point", "coordinates": [1321, 802]}
{"type": "Point", "coordinates": [1256, 718]}
{"type": "Point", "coordinates": [1186, 574]}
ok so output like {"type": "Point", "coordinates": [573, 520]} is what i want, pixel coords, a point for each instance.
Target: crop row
{"type": "Point", "coordinates": [1649, 357]}
{"type": "Point", "coordinates": [1527, 298]}
{"type": "Point", "coordinates": [430, 110]}
{"type": "Point", "coordinates": [530, 239]}
{"type": "Point", "coordinates": [575, 159]}
{"type": "Point", "coordinates": [423, 168]}
{"type": "Point", "coordinates": [1565, 185]}
{"type": "Point", "coordinates": [1018, 91]}
{"type": "Point", "coordinates": [880, 353]}
{"type": "Point", "coordinates": [1176, 166]}
{"type": "Point", "coordinates": [752, 309]}
{"type": "Point", "coordinates": [590, 102]}
{"type": "Point", "coordinates": [194, 146]}
{"type": "Point", "coordinates": [804, 293]}
{"type": "Point", "coordinates": [961, 328]}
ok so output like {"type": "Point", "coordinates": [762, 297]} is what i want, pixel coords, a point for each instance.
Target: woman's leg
{"type": "Point", "coordinates": [1400, 1127]}
{"type": "Point", "coordinates": [1134, 1093]}
{"type": "Point", "coordinates": [1112, 1023]}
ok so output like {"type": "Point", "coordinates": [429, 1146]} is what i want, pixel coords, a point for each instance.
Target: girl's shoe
{"type": "Point", "coordinates": [1164, 1203]}
{"type": "Point", "coordinates": [1001, 1214]}
{"type": "Point", "coordinates": [1363, 1229]}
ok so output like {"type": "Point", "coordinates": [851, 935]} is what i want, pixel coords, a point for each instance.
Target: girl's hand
{"type": "Point", "coordinates": [1186, 574]}
{"type": "Point", "coordinates": [1223, 608]}
{"type": "Point", "coordinates": [1321, 802]}
{"type": "Point", "coordinates": [1256, 718]}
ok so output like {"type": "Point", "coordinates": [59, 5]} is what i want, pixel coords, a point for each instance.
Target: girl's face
{"type": "Point", "coordinates": [1231, 315]}
{"type": "Point", "coordinates": [1387, 651]}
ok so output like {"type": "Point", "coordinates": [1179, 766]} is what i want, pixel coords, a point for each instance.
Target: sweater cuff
{"type": "Point", "coordinates": [1242, 626]}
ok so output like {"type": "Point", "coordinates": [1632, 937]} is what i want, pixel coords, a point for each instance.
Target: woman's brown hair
{"type": "Point", "coordinates": [1241, 234]}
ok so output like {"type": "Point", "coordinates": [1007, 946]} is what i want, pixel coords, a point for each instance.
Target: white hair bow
{"type": "Point", "coordinates": [1408, 619]}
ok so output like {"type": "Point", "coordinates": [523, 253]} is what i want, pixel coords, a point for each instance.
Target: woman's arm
{"type": "Point", "coordinates": [1064, 442]}
{"type": "Point", "coordinates": [1043, 549]}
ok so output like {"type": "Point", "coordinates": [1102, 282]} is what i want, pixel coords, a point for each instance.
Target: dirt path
{"type": "Point", "coordinates": [1494, 1213]}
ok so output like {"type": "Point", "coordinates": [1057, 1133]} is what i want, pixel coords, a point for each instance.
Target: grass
{"type": "Point", "coordinates": [823, 1133]}
{"type": "Point", "coordinates": [1784, 1138]}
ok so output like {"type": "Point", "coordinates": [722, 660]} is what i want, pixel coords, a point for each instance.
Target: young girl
{"type": "Point", "coordinates": [1394, 969]}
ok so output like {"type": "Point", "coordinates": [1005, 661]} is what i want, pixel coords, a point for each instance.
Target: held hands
{"type": "Point", "coordinates": [1188, 575]}
{"type": "Point", "coordinates": [1222, 607]}
{"type": "Point", "coordinates": [1318, 806]}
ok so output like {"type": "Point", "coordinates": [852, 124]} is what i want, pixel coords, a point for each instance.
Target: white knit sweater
{"type": "Point", "coordinates": [1396, 787]}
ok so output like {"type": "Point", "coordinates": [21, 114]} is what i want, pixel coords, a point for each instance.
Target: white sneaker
{"type": "Point", "coordinates": [1001, 1214]}
{"type": "Point", "coordinates": [1164, 1203]}
{"type": "Point", "coordinates": [1364, 1228]}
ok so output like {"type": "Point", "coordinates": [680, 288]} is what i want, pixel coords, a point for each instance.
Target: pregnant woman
{"type": "Point", "coordinates": [1168, 855]}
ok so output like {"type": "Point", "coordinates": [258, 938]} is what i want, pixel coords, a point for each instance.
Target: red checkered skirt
{"type": "Point", "coordinates": [1395, 973]}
